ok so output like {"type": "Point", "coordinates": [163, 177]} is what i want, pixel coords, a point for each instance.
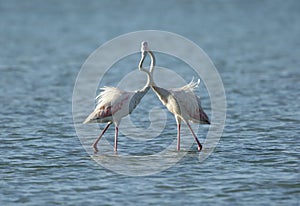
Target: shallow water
{"type": "Point", "coordinates": [255, 46]}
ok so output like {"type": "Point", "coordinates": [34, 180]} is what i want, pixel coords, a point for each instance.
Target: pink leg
{"type": "Point", "coordinates": [178, 121]}
{"type": "Point", "coordinates": [195, 137]}
{"type": "Point", "coordinates": [116, 139]}
{"type": "Point", "coordinates": [102, 133]}
{"type": "Point", "coordinates": [178, 137]}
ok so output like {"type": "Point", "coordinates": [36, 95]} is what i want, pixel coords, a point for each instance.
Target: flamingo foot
{"type": "Point", "coordinates": [199, 147]}
{"type": "Point", "coordinates": [95, 148]}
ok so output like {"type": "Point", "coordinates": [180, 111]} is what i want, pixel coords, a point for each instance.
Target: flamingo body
{"type": "Point", "coordinates": [113, 104]}
{"type": "Point", "coordinates": [183, 102]}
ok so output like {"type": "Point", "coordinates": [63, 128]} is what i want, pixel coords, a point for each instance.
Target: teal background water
{"type": "Point", "coordinates": [255, 47]}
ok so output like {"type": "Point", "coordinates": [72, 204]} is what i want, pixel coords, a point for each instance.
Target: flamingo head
{"type": "Point", "coordinates": [144, 46]}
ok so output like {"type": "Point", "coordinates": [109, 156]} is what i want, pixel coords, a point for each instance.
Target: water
{"type": "Point", "coordinates": [255, 46]}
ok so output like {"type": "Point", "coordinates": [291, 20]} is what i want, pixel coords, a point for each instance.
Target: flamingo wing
{"type": "Point", "coordinates": [189, 103]}
{"type": "Point", "coordinates": [99, 115]}
{"type": "Point", "coordinates": [111, 101]}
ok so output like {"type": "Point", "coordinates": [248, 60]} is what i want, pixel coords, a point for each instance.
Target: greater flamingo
{"type": "Point", "coordinates": [182, 102]}
{"type": "Point", "coordinates": [113, 104]}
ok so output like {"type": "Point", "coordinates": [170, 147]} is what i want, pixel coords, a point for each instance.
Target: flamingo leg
{"type": "Point", "coordinates": [116, 139]}
{"type": "Point", "coordinates": [195, 137]}
{"type": "Point", "coordinates": [102, 133]}
{"type": "Point", "coordinates": [178, 136]}
{"type": "Point", "coordinates": [178, 121]}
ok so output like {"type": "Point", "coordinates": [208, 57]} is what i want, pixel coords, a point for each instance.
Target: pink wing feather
{"type": "Point", "coordinates": [109, 102]}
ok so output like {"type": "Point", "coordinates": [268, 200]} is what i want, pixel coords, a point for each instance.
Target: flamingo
{"type": "Point", "coordinates": [113, 104]}
{"type": "Point", "coordinates": [182, 102]}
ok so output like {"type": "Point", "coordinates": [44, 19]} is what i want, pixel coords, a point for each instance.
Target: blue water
{"type": "Point", "coordinates": [255, 46]}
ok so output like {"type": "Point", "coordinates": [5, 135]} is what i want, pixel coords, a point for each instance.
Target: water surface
{"type": "Point", "coordinates": [255, 46]}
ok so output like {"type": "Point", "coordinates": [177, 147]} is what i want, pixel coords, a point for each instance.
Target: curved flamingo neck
{"type": "Point", "coordinates": [153, 62]}
{"type": "Point", "coordinates": [150, 81]}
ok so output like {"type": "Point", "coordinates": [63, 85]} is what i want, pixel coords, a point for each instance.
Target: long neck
{"type": "Point", "coordinates": [150, 81]}
{"type": "Point", "coordinates": [153, 62]}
